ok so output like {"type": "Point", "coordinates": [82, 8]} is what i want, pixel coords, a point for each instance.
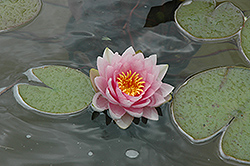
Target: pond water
{"type": "Point", "coordinates": [74, 33]}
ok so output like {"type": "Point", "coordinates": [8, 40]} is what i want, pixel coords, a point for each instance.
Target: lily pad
{"type": "Point", "coordinates": [65, 90]}
{"type": "Point", "coordinates": [15, 13]}
{"type": "Point", "coordinates": [245, 39]}
{"type": "Point", "coordinates": [203, 20]}
{"type": "Point", "coordinates": [214, 101]}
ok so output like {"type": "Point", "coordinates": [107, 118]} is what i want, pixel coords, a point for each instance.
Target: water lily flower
{"type": "Point", "coordinates": [129, 86]}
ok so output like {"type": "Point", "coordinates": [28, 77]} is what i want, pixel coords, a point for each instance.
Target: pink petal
{"type": "Point", "coordinates": [149, 78]}
{"type": "Point", "coordinates": [133, 99]}
{"type": "Point", "coordinates": [150, 64]}
{"type": "Point", "coordinates": [141, 104]}
{"type": "Point", "coordinates": [125, 121]}
{"type": "Point", "coordinates": [122, 99]}
{"type": "Point", "coordinates": [101, 84]}
{"type": "Point", "coordinates": [124, 68]}
{"type": "Point", "coordinates": [152, 89]}
{"type": "Point", "coordinates": [116, 73]}
{"type": "Point", "coordinates": [151, 60]}
{"type": "Point", "coordinates": [99, 102]}
{"type": "Point", "coordinates": [128, 52]}
{"type": "Point", "coordinates": [111, 88]}
{"type": "Point", "coordinates": [148, 81]}
{"type": "Point", "coordinates": [163, 71]}
{"type": "Point", "coordinates": [137, 66]}
{"type": "Point", "coordinates": [108, 55]}
{"type": "Point", "coordinates": [109, 72]}
{"type": "Point", "coordinates": [116, 59]}
{"type": "Point", "coordinates": [135, 112]}
{"type": "Point", "coordinates": [155, 72]}
{"type": "Point", "coordinates": [138, 57]}
{"type": "Point", "coordinates": [111, 98]}
{"type": "Point", "coordinates": [150, 113]}
{"type": "Point", "coordinates": [165, 89]}
{"type": "Point", "coordinates": [102, 65]}
{"type": "Point", "coordinates": [116, 111]}
{"type": "Point", "coordinates": [156, 100]}
{"type": "Point", "coordinates": [131, 58]}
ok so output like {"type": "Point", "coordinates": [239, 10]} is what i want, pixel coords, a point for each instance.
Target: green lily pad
{"type": "Point", "coordinates": [65, 90]}
{"type": "Point", "coordinates": [15, 13]}
{"type": "Point", "coordinates": [217, 100]}
{"type": "Point", "coordinates": [202, 20]}
{"type": "Point", "coordinates": [245, 39]}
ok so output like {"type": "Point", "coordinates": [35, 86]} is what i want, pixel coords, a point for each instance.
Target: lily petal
{"type": "Point", "coordinates": [99, 102]}
{"type": "Point", "coordinates": [141, 104]}
{"type": "Point", "coordinates": [116, 59]}
{"type": "Point", "coordinates": [102, 65]}
{"type": "Point", "coordinates": [165, 89]}
{"type": "Point", "coordinates": [116, 111]}
{"type": "Point", "coordinates": [135, 112]}
{"type": "Point", "coordinates": [138, 57]}
{"type": "Point", "coordinates": [111, 98]}
{"type": "Point", "coordinates": [93, 73]}
{"type": "Point", "coordinates": [128, 52]}
{"type": "Point", "coordinates": [125, 121]}
{"type": "Point", "coordinates": [152, 89]}
{"type": "Point", "coordinates": [150, 113]}
{"type": "Point", "coordinates": [163, 71]}
{"type": "Point", "coordinates": [101, 84]}
{"type": "Point", "coordinates": [109, 72]}
{"type": "Point", "coordinates": [108, 55]}
{"type": "Point", "coordinates": [111, 88]}
{"type": "Point", "coordinates": [151, 60]}
{"type": "Point", "coordinates": [122, 99]}
{"type": "Point", "coordinates": [156, 100]}
{"type": "Point", "coordinates": [135, 67]}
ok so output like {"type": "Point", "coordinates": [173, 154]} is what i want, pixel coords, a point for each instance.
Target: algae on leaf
{"type": "Point", "coordinates": [17, 13]}
{"type": "Point", "coordinates": [217, 100]}
{"type": "Point", "coordinates": [245, 39]}
{"type": "Point", "coordinates": [203, 20]}
{"type": "Point", "coordinates": [67, 90]}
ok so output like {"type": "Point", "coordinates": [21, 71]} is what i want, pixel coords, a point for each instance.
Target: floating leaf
{"type": "Point", "coordinates": [17, 13]}
{"type": "Point", "coordinates": [67, 90]}
{"type": "Point", "coordinates": [214, 101]}
{"type": "Point", "coordinates": [161, 14]}
{"type": "Point", "coordinates": [202, 20]}
{"type": "Point", "coordinates": [245, 39]}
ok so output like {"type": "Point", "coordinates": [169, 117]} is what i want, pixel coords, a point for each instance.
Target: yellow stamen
{"type": "Point", "coordinates": [130, 84]}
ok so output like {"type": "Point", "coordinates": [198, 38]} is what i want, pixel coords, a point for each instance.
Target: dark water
{"type": "Point", "coordinates": [74, 33]}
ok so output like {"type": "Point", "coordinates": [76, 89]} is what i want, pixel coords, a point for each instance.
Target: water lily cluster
{"type": "Point", "coordinates": [129, 86]}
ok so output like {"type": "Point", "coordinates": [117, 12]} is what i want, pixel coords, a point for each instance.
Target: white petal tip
{"type": "Point", "coordinates": [163, 71]}
{"type": "Point", "coordinates": [125, 121]}
{"type": "Point", "coordinates": [95, 108]}
{"type": "Point", "coordinates": [108, 54]}
{"type": "Point", "coordinates": [151, 114]}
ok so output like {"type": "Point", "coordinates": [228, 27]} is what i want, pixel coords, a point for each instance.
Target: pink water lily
{"type": "Point", "coordinates": [129, 86]}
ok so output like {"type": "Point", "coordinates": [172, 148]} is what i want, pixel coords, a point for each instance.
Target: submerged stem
{"type": "Point", "coordinates": [9, 87]}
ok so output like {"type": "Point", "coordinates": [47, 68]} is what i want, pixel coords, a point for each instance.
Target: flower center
{"type": "Point", "coordinates": [130, 84]}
